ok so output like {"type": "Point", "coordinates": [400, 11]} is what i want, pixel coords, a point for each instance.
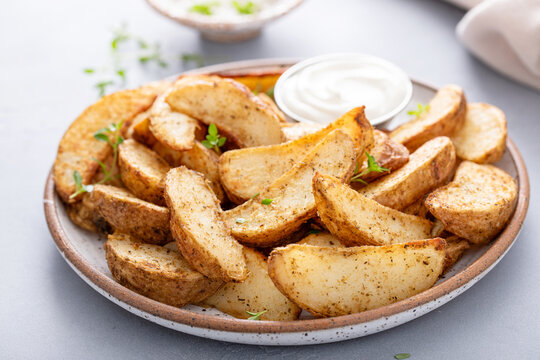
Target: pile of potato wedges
{"type": "Point", "coordinates": [279, 217]}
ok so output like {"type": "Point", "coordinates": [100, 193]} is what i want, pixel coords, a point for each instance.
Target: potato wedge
{"type": "Point", "coordinates": [331, 281]}
{"type": "Point", "coordinates": [143, 171]}
{"type": "Point", "coordinates": [78, 145]}
{"type": "Point", "coordinates": [257, 81]}
{"type": "Point", "coordinates": [257, 293]}
{"type": "Point", "coordinates": [156, 272]}
{"type": "Point", "coordinates": [482, 138]}
{"type": "Point", "coordinates": [130, 215]}
{"type": "Point", "coordinates": [477, 203]}
{"type": "Point", "coordinates": [445, 116]}
{"type": "Point", "coordinates": [418, 208]}
{"type": "Point", "coordinates": [245, 172]}
{"type": "Point", "coordinates": [455, 248]}
{"type": "Point", "coordinates": [294, 131]}
{"type": "Point", "coordinates": [240, 115]}
{"type": "Point", "coordinates": [356, 220]}
{"type": "Point", "coordinates": [196, 224]}
{"type": "Point", "coordinates": [262, 224]}
{"type": "Point", "coordinates": [321, 239]}
{"type": "Point", "coordinates": [272, 105]}
{"type": "Point", "coordinates": [85, 215]}
{"type": "Point", "coordinates": [428, 167]}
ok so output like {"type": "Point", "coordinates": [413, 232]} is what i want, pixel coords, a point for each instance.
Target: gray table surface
{"type": "Point", "coordinates": [48, 312]}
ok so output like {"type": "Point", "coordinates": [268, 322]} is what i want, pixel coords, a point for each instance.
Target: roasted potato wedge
{"type": "Point", "coordinates": [232, 107]}
{"type": "Point", "coordinates": [85, 215]}
{"type": "Point", "coordinates": [476, 204]}
{"type": "Point", "coordinates": [280, 209]}
{"type": "Point", "coordinates": [356, 220]}
{"type": "Point", "coordinates": [272, 105]}
{"type": "Point", "coordinates": [321, 239]}
{"type": "Point", "coordinates": [257, 293]}
{"type": "Point", "coordinates": [196, 224]}
{"type": "Point", "coordinates": [482, 138]}
{"type": "Point", "coordinates": [428, 167]}
{"type": "Point", "coordinates": [332, 281]}
{"type": "Point", "coordinates": [418, 208]}
{"type": "Point", "coordinates": [259, 82]}
{"type": "Point", "coordinates": [245, 172]}
{"type": "Point", "coordinates": [295, 131]}
{"type": "Point", "coordinates": [445, 116]}
{"type": "Point", "coordinates": [78, 147]}
{"type": "Point", "coordinates": [143, 171]}
{"type": "Point", "coordinates": [455, 248]}
{"type": "Point", "coordinates": [130, 215]}
{"type": "Point", "coordinates": [156, 272]}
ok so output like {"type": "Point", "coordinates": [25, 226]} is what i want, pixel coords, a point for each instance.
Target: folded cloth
{"type": "Point", "coordinates": [505, 34]}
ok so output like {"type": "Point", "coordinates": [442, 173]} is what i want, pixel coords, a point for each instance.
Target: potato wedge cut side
{"type": "Point", "coordinates": [357, 220]}
{"type": "Point", "coordinates": [257, 81]}
{"type": "Point", "coordinates": [143, 171]}
{"type": "Point", "coordinates": [477, 203]}
{"type": "Point", "coordinates": [85, 215]}
{"type": "Point", "coordinates": [445, 116]}
{"type": "Point", "coordinates": [428, 167]}
{"type": "Point", "coordinates": [281, 208]}
{"type": "Point", "coordinates": [245, 172]}
{"type": "Point", "coordinates": [257, 293]}
{"type": "Point", "coordinates": [127, 214]}
{"type": "Point", "coordinates": [294, 131]}
{"type": "Point", "coordinates": [331, 281]}
{"type": "Point", "coordinates": [232, 107]}
{"type": "Point", "coordinates": [482, 138]}
{"type": "Point", "coordinates": [78, 145]}
{"type": "Point", "coordinates": [156, 272]}
{"type": "Point", "coordinates": [455, 248]}
{"type": "Point", "coordinates": [196, 224]}
{"type": "Point", "coordinates": [321, 239]}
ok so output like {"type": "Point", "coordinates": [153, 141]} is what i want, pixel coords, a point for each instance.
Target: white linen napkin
{"type": "Point", "coordinates": [505, 34]}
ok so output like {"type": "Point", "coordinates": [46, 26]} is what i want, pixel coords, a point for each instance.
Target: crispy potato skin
{"type": "Point", "coordinates": [428, 167]}
{"type": "Point", "coordinates": [261, 82]}
{"type": "Point", "coordinates": [292, 194]}
{"type": "Point", "coordinates": [255, 294]}
{"type": "Point", "coordinates": [455, 248]}
{"type": "Point", "coordinates": [240, 115]}
{"type": "Point", "coordinates": [78, 145]}
{"type": "Point", "coordinates": [156, 272]}
{"type": "Point", "coordinates": [482, 138]}
{"type": "Point", "coordinates": [445, 116]}
{"type": "Point", "coordinates": [127, 214]}
{"type": "Point", "coordinates": [332, 281]}
{"type": "Point", "coordinates": [143, 171]}
{"type": "Point", "coordinates": [84, 214]}
{"type": "Point", "coordinates": [245, 172]}
{"type": "Point", "coordinates": [477, 203]}
{"type": "Point", "coordinates": [356, 220]}
{"type": "Point", "coordinates": [197, 226]}
{"type": "Point", "coordinates": [321, 239]}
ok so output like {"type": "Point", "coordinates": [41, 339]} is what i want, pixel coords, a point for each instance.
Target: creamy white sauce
{"type": "Point", "coordinates": [324, 90]}
{"type": "Point", "coordinates": [223, 10]}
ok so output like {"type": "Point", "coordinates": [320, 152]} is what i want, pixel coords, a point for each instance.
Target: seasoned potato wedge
{"type": "Point", "coordinates": [85, 215]}
{"type": "Point", "coordinates": [196, 224]}
{"type": "Point", "coordinates": [245, 172]}
{"type": "Point", "coordinates": [428, 168]}
{"type": "Point", "coordinates": [476, 204]}
{"type": "Point", "coordinates": [445, 116]}
{"type": "Point", "coordinates": [357, 220]}
{"type": "Point", "coordinates": [418, 208]}
{"type": "Point", "coordinates": [174, 129]}
{"type": "Point", "coordinates": [332, 281]}
{"type": "Point", "coordinates": [232, 107]}
{"type": "Point", "coordinates": [260, 82]}
{"type": "Point", "coordinates": [130, 215]}
{"type": "Point", "coordinates": [143, 171]}
{"type": "Point", "coordinates": [156, 272]}
{"type": "Point", "coordinates": [482, 138]}
{"type": "Point", "coordinates": [294, 131]}
{"type": "Point", "coordinates": [272, 105]}
{"type": "Point", "coordinates": [321, 239]}
{"type": "Point", "coordinates": [78, 146]}
{"type": "Point", "coordinates": [455, 248]}
{"type": "Point", "coordinates": [257, 293]}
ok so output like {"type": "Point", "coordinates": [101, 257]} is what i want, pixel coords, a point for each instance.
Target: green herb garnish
{"type": "Point", "coordinates": [255, 316]}
{"type": "Point", "coordinates": [102, 86]}
{"type": "Point", "coordinates": [121, 35]}
{"type": "Point", "coordinates": [213, 139]}
{"type": "Point", "coordinates": [402, 356]}
{"type": "Point", "coordinates": [153, 55]}
{"type": "Point", "coordinates": [267, 201]}
{"type": "Point", "coordinates": [421, 109]}
{"type": "Point", "coordinates": [254, 196]}
{"type": "Point", "coordinates": [372, 167]}
{"type": "Point", "coordinates": [89, 71]}
{"type": "Point", "coordinates": [79, 186]}
{"type": "Point", "coordinates": [270, 92]}
{"type": "Point", "coordinates": [204, 8]}
{"type": "Point", "coordinates": [240, 220]}
{"type": "Point", "coordinates": [246, 8]}
{"type": "Point", "coordinates": [193, 58]}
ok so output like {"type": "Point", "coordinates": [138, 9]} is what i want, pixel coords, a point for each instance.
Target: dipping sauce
{"type": "Point", "coordinates": [322, 89]}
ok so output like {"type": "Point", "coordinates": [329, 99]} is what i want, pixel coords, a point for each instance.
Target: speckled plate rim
{"type": "Point", "coordinates": [478, 268]}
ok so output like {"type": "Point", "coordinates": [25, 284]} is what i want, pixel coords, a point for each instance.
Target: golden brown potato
{"type": "Point", "coordinates": [332, 281]}
{"type": "Point", "coordinates": [476, 204]}
{"type": "Point", "coordinates": [143, 171]}
{"type": "Point", "coordinates": [295, 131]}
{"type": "Point", "coordinates": [260, 82]}
{"type": "Point", "coordinates": [482, 138]}
{"type": "Point", "coordinates": [281, 208]}
{"type": "Point", "coordinates": [455, 248]}
{"type": "Point", "coordinates": [272, 105]}
{"type": "Point", "coordinates": [129, 215]}
{"type": "Point", "coordinates": [156, 272]}
{"type": "Point", "coordinates": [445, 116]}
{"type": "Point", "coordinates": [428, 168]}
{"type": "Point", "coordinates": [356, 220]}
{"type": "Point", "coordinates": [240, 115]}
{"type": "Point", "coordinates": [257, 293]}
{"type": "Point", "coordinates": [78, 146]}
{"type": "Point", "coordinates": [418, 208]}
{"type": "Point", "coordinates": [321, 239]}
{"type": "Point", "coordinates": [196, 224]}
{"type": "Point", "coordinates": [85, 215]}
{"type": "Point", "coordinates": [245, 172]}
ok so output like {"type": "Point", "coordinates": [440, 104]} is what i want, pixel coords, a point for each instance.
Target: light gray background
{"type": "Point", "coordinates": [47, 312]}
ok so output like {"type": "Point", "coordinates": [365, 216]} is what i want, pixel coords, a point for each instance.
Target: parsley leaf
{"type": "Point", "coordinates": [213, 139]}
{"type": "Point", "coordinates": [267, 201]}
{"type": "Point", "coordinates": [372, 167]}
{"type": "Point", "coordinates": [421, 109]}
{"type": "Point", "coordinates": [401, 356]}
{"type": "Point", "coordinates": [255, 316]}
{"type": "Point", "coordinates": [247, 8]}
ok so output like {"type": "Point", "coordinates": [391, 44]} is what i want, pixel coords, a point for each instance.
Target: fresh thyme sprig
{"type": "Point", "coordinates": [197, 59]}
{"type": "Point", "coordinates": [213, 140]}
{"type": "Point", "coordinates": [254, 315]}
{"type": "Point", "coordinates": [266, 201]}
{"type": "Point", "coordinates": [421, 109]}
{"type": "Point", "coordinates": [372, 167]}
